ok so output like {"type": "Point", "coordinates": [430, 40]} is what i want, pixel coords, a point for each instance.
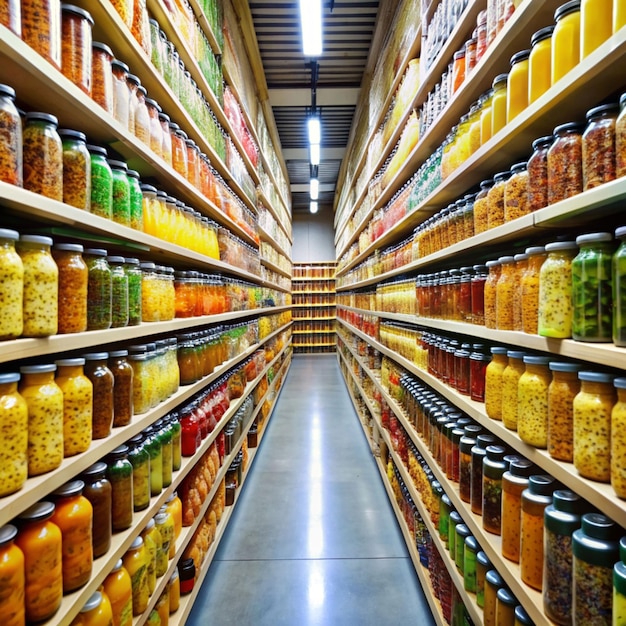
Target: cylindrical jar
{"type": "Point", "coordinates": [514, 482]}
{"type": "Point", "coordinates": [41, 28]}
{"type": "Point", "coordinates": [12, 575]}
{"type": "Point", "coordinates": [495, 200]}
{"type": "Point", "coordinates": [118, 588]}
{"type": "Point", "coordinates": [14, 441]}
{"type": "Point", "coordinates": [122, 387]}
{"type": "Point", "coordinates": [599, 158]}
{"type": "Point", "coordinates": [481, 208]}
{"type": "Point", "coordinates": [619, 586]}
{"type": "Point", "coordinates": [517, 86]}
{"type": "Point", "coordinates": [133, 272]}
{"type": "Point", "coordinates": [479, 451]}
{"type": "Point", "coordinates": [119, 292]}
{"type": "Point", "coordinates": [102, 75]}
{"type": "Point", "coordinates": [99, 290]}
{"type": "Point", "coordinates": [596, 24]}
{"type": "Point", "coordinates": [532, 401]}
{"type": "Point", "coordinates": [97, 611]}
{"type": "Point", "coordinates": [529, 287]}
{"type": "Point", "coordinates": [135, 561]}
{"type": "Point", "coordinates": [618, 445]}
{"type": "Point", "coordinates": [139, 458]}
{"type": "Point", "coordinates": [98, 491]}
{"type": "Point", "coordinates": [493, 382]}
{"type": "Point", "coordinates": [494, 467]}
{"type": "Point", "coordinates": [493, 583]}
{"type": "Point", "coordinates": [565, 162]}
{"type": "Point", "coordinates": [121, 93]}
{"type": "Point", "coordinates": [11, 286]}
{"type": "Point", "coordinates": [76, 42]}
{"type": "Point", "coordinates": [498, 103]}
{"type": "Point", "coordinates": [101, 183]}
{"type": "Point", "coordinates": [538, 173]}
{"type": "Point", "coordinates": [72, 289]}
{"type": "Point", "coordinates": [505, 607]}
{"type": "Point", "coordinates": [505, 294]}
{"type": "Point", "coordinates": [43, 156]}
{"type": "Point", "coordinates": [566, 39]}
{"type": "Point", "coordinates": [618, 276]}
{"type": "Point", "coordinates": [120, 475]}
{"type": "Point", "coordinates": [510, 383]}
{"type": "Point", "coordinates": [11, 17]}
{"type": "Point", "coordinates": [152, 540]}
{"type": "Point", "coordinates": [540, 63]}
{"type": "Point", "coordinates": [11, 140]}
{"type": "Point", "coordinates": [121, 193]}
{"type": "Point", "coordinates": [490, 292]}
{"type": "Point", "coordinates": [101, 377]}
{"type": "Point", "coordinates": [516, 193]}
{"type": "Point", "coordinates": [561, 393]}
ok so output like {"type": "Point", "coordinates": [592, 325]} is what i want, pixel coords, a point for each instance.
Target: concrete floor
{"type": "Point", "coordinates": [313, 539]}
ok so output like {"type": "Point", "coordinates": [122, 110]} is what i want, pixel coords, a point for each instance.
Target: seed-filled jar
{"type": "Point", "coordinates": [596, 548]}
{"type": "Point", "coordinates": [119, 292]}
{"type": "Point", "coordinates": [12, 575]}
{"type": "Point", "coordinates": [540, 63]}
{"type": "Point", "coordinates": [505, 294]}
{"type": "Point", "coordinates": [592, 425]}
{"type": "Point", "coordinates": [119, 589]}
{"type": "Point", "coordinates": [41, 28]}
{"type": "Point", "coordinates": [76, 42]}
{"type": "Point", "coordinates": [121, 193]}
{"type": "Point", "coordinates": [135, 561]}
{"type": "Point", "coordinates": [599, 157]}
{"type": "Point", "coordinates": [120, 475]}
{"type": "Point", "coordinates": [618, 447]}
{"type": "Point", "coordinates": [510, 383]}
{"type": "Point", "coordinates": [481, 208]}
{"type": "Point", "coordinates": [514, 482]}
{"type": "Point", "coordinates": [555, 291]}
{"type": "Point", "coordinates": [479, 451]}
{"type": "Point", "coordinates": [101, 378]}
{"type": "Point", "coordinates": [529, 286]}
{"type": "Point", "coordinates": [121, 93]}
{"type": "Point", "coordinates": [596, 24]}
{"type": "Point", "coordinates": [40, 540]}
{"type": "Point", "coordinates": [494, 467]}
{"type": "Point", "coordinates": [102, 75]}
{"type": "Point", "coordinates": [493, 382]}
{"type": "Point", "coordinates": [561, 393]}
{"type": "Point", "coordinates": [498, 103]}
{"type": "Point", "coordinates": [11, 286]}
{"type": "Point", "coordinates": [73, 279]}
{"type": "Point", "coordinates": [43, 156]}
{"type": "Point", "coordinates": [566, 39]}
{"type": "Point", "coordinates": [516, 193]}
{"type": "Point", "coordinates": [565, 163]}
{"type": "Point", "coordinates": [11, 140]}
{"type": "Point", "coordinates": [99, 290]}
{"type": "Point", "coordinates": [14, 442]}
{"type": "Point", "coordinates": [618, 276]}
{"type": "Point", "coordinates": [518, 85]}
{"type": "Point", "coordinates": [521, 263]}
{"type": "Point", "coordinates": [561, 518]}
{"type": "Point", "coordinates": [495, 200]}
{"type": "Point", "coordinates": [490, 292]}
{"type": "Point", "coordinates": [122, 387]}
{"type": "Point", "coordinates": [98, 491]}
{"type": "Point", "coordinates": [532, 401]}
{"type": "Point", "coordinates": [101, 183]}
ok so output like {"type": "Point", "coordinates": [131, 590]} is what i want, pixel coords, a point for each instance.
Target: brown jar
{"type": "Point", "coordinates": [102, 380]}
{"type": "Point", "coordinates": [98, 491]}
{"type": "Point", "coordinates": [73, 277]}
{"type": "Point", "coordinates": [76, 25]}
{"type": "Point", "coordinates": [122, 388]}
{"type": "Point", "coordinates": [565, 163]}
{"type": "Point", "coordinates": [102, 76]}
{"type": "Point", "coordinates": [599, 146]}
{"type": "Point", "coordinates": [41, 28]}
{"type": "Point", "coordinates": [538, 174]}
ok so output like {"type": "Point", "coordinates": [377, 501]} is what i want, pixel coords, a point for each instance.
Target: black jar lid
{"type": "Point", "coordinates": [98, 45]}
{"type": "Point", "coordinates": [120, 65]}
{"type": "Point", "coordinates": [543, 142]}
{"type": "Point", "coordinates": [68, 133]}
{"type": "Point", "coordinates": [601, 110]}
{"type": "Point", "coordinates": [39, 116]}
{"type": "Point", "coordinates": [118, 165]}
{"type": "Point", "coordinates": [6, 90]}
{"type": "Point", "coordinates": [37, 512]}
{"type": "Point", "coordinates": [569, 127]}
{"type": "Point", "coordinates": [121, 452]}
{"type": "Point", "coordinates": [506, 597]}
{"type": "Point", "coordinates": [565, 9]}
{"type": "Point", "coordinates": [542, 484]}
{"type": "Point", "coordinates": [495, 453]}
{"type": "Point", "coordinates": [98, 150]}
{"type": "Point", "coordinates": [96, 470]}
{"type": "Point", "coordinates": [520, 56]}
{"type": "Point", "coordinates": [540, 35]}
{"type": "Point", "coordinates": [186, 569]}
{"type": "Point", "coordinates": [74, 10]}
{"type": "Point", "coordinates": [135, 80]}
{"type": "Point", "coordinates": [521, 467]}
{"type": "Point", "coordinates": [69, 489]}
{"type": "Point", "coordinates": [500, 78]}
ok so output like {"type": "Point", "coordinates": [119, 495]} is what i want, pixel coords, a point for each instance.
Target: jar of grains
{"type": "Point", "coordinates": [599, 146]}
{"type": "Point", "coordinates": [514, 481]}
{"type": "Point", "coordinates": [619, 289]}
{"type": "Point", "coordinates": [566, 39]}
{"type": "Point", "coordinates": [43, 156]}
{"type": "Point", "coordinates": [538, 173]}
{"type": "Point", "coordinates": [76, 42]}
{"type": "Point", "coordinates": [565, 163]}
{"type": "Point", "coordinates": [133, 272]}
{"type": "Point", "coordinates": [73, 278]}
{"type": "Point", "coordinates": [121, 93]}
{"type": "Point", "coordinates": [11, 140]}
{"type": "Point", "coordinates": [490, 292]}
{"type": "Point", "coordinates": [516, 193]}
{"type": "Point", "coordinates": [505, 293]}
{"type": "Point", "coordinates": [481, 212]}
{"type": "Point", "coordinates": [76, 169]}
{"type": "Point", "coordinates": [121, 193]}
{"type": "Point", "coordinates": [119, 292]}
{"type": "Point", "coordinates": [120, 475]}
{"type": "Point", "coordinates": [510, 381]}
{"type": "Point", "coordinates": [493, 382]}
{"type": "Point", "coordinates": [11, 286]}
{"type": "Point", "coordinates": [521, 263]}
{"type": "Point", "coordinates": [101, 183]}
{"type": "Point", "coordinates": [101, 377]}
{"type": "Point", "coordinates": [532, 401]}
{"type": "Point", "coordinates": [14, 442]}
{"type": "Point", "coordinates": [12, 575]}
{"type": "Point", "coordinates": [41, 28]}
{"type": "Point", "coordinates": [124, 9]}
{"type": "Point", "coordinates": [592, 407]}
{"type": "Point", "coordinates": [102, 75]}
{"type": "Point", "coordinates": [98, 491]}
{"type": "Point", "coordinates": [529, 287]}
{"type": "Point", "coordinates": [561, 393]}
{"type": "Point", "coordinates": [99, 290]}
{"type": "Point", "coordinates": [618, 443]}
{"type": "Point", "coordinates": [122, 387]}
{"type": "Point", "coordinates": [495, 200]}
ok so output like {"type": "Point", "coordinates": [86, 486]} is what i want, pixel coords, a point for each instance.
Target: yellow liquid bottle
{"type": "Point", "coordinates": [540, 64]}
{"type": "Point", "coordinates": [517, 86]}
{"type": "Point", "coordinates": [566, 39]}
{"type": "Point", "coordinates": [596, 24]}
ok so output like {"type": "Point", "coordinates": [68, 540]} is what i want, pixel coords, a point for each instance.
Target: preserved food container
{"type": "Point", "coordinates": [43, 156]}
{"type": "Point", "coordinates": [493, 583]}
{"type": "Point", "coordinates": [121, 93]}
{"type": "Point", "coordinates": [466, 443]}
{"type": "Point", "coordinates": [592, 289]}
{"type": "Point", "coordinates": [150, 303]}
{"type": "Point", "coordinates": [566, 39]}
{"type": "Point", "coordinates": [118, 588]}
{"type": "Point", "coordinates": [510, 382]}
{"type": "Point", "coordinates": [120, 475]}
{"type": "Point", "coordinates": [73, 279]}
{"type": "Point", "coordinates": [483, 565]}
{"type": "Point", "coordinates": [40, 541]}
{"type": "Point", "coordinates": [619, 289]}
{"type": "Point", "coordinates": [165, 526]}
{"type": "Point", "coordinates": [11, 17]}
{"type": "Point", "coordinates": [175, 507]}
{"type": "Point", "coordinates": [518, 85]}
{"type": "Point", "coordinates": [596, 548]}
{"type": "Point", "coordinates": [618, 433]}
{"type": "Point", "coordinates": [505, 294]}
{"type": "Point", "coordinates": [469, 564]}
{"type": "Point", "coordinates": [142, 117]}
{"type": "Point", "coordinates": [102, 75]}
{"type": "Point", "coordinates": [599, 157]}
{"type": "Point", "coordinates": [529, 286]}
{"type": "Point", "coordinates": [76, 41]}
{"type": "Point", "coordinates": [77, 405]}
{"type": "Point", "coordinates": [97, 611]}
{"type": "Point", "coordinates": [478, 294]}
{"type": "Point", "coordinates": [490, 292]}
{"type": "Point", "coordinates": [461, 533]}
{"type": "Point", "coordinates": [174, 587]}
{"type": "Point", "coordinates": [136, 200]}
{"type": "Point", "coordinates": [153, 445]}
{"type": "Point", "coordinates": [14, 441]}
{"type": "Point", "coordinates": [538, 173]}
{"type": "Point", "coordinates": [121, 193]}
{"type": "Point", "coordinates": [561, 518]}
{"type": "Point", "coordinates": [540, 63]}
{"type": "Point", "coordinates": [41, 28]}
{"type": "Point", "coordinates": [101, 378]}
{"type": "Point", "coordinates": [41, 292]}
{"type": "Point", "coordinates": [458, 70]}
{"type": "Point", "coordinates": [165, 437]}
{"type": "Point", "coordinates": [139, 458]}
{"type": "Point", "coordinates": [479, 451]}
{"type": "Point", "coordinates": [514, 481]}
{"type": "Point", "coordinates": [135, 561]}
{"type": "Point", "coordinates": [565, 163]}
{"type": "Point", "coordinates": [133, 272]}
{"type": "Point", "coordinates": [45, 418]}
{"type": "Point", "coordinates": [481, 210]}
{"type": "Point", "coordinates": [495, 200]}
{"type": "Point", "coordinates": [596, 24]}
{"type": "Point", "coordinates": [152, 541]}
{"type": "Point", "coordinates": [12, 576]}
{"type": "Point", "coordinates": [11, 140]}
{"type": "Point", "coordinates": [494, 467]}
{"type": "Point", "coordinates": [532, 401]}
{"type": "Point", "coordinates": [101, 183]}
{"type": "Point", "coordinates": [156, 132]}
{"type": "Point", "coordinates": [11, 286]}
{"type": "Point", "coordinates": [98, 491]}
{"type": "Point", "coordinates": [73, 514]}
{"type": "Point", "coordinates": [619, 15]}
{"type": "Point", "coordinates": [122, 387]}
{"type": "Point", "coordinates": [498, 103]}
{"type": "Point", "coordinates": [555, 291]}
{"type": "Point", "coordinates": [493, 382]}
{"type": "Point", "coordinates": [485, 117]}
{"type": "Point", "coordinates": [521, 263]}
{"type": "Point", "coordinates": [505, 607]}
{"type": "Point", "coordinates": [99, 290]}
{"type": "Point", "coordinates": [133, 84]}
{"type": "Point", "coordinates": [516, 193]}
{"type": "Point", "coordinates": [592, 425]}
{"type": "Point", "coordinates": [119, 292]}
{"type": "Point", "coordinates": [561, 393]}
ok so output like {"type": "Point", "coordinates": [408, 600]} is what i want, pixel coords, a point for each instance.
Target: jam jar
{"type": "Point", "coordinates": [99, 290]}
{"type": "Point", "coordinates": [12, 575]}
{"type": "Point", "coordinates": [43, 156]}
{"type": "Point", "coordinates": [118, 588]}
{"type": "Point", "coordinates": [561, 393]}
{"type": "Point", "coordinates": [11, 140]}
{"type": "Point", "coordinates": [101, 378]}
{"type": "Point", "coordinates": [98, 491]}
{"type": "Point", "coordinates": [41, 28]}
{"type": "Point", "coordinates": [565, 163]}
{"type": "Point", "coordinates": [120, 475]}
{"type": "Point", "coordinates": [599, 157]}
{"type": "Point", "coordinates": [514, 482]}
{"type": "Point", "coordinates": [494, 467]}
{"type": "Point", "coordinates": [619, 289]}
{"type": "Point", "coordinates": [566, 39]}
{"type": "Point", "coordinates": [11, 286]}
{"type": "Point", "coordinates": [101, 202]}
{"type": "Point", "coordinates": [72, 294]}
{"type": "Point", "coordinates": [618, 447]}
{"type": "Point", "coordinates": [538, 173]}
{"type": "Point", "coordinates": [532, 401]}
{"type": "Point", "coordinates": [119, 292]}
{"type": "Point", "coordinates": [529, 288]}
{"type": "Point", "coordinates": [14, 442]}
{"type": "Point", "coordinates": [122, 387]}
{"type": "Point", "coordinates": [592, 288]}
{"type": "Point", "coordinates": [76, 42]}
{"type": "Point", "coordinates": [478, 294]}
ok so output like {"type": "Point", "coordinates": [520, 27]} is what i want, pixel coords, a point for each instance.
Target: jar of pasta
{"type": "Point", "coordinates": [555, 291]}
{"type": "Point", "coordinates": [538, 173]}
{"type": "Point", "coordinates": [101, 183]}
{"type": "Point", "coordinates": [510, 382]}
{"type": "Point", "coordinates": [561, 393]}
{"type": "Point", "coordinates": [481, 209]}
{"type": "Point", "coordinates": [119, 292]}
{"type": "Point", "coordinates": [12, 575]}
{"type": "Point", "coordinates": [121, 93]}
{"type": "Point", "coordinates": [593, 405]}
{"type": "Point", "coordinates": [120, 475]}
{"type": "Point", "coordinates": [135, 561]}
{"type": "Point", "coordinates": [599, 157]}
{"type": "Point", "coordinates": [102, 75]}
{"type": "Point", "coordinates": [121, 193]}
{"type": "Point", "coordinates": [73, 514]}
{"type": "Point", "coordinates": [565, 163]}
{"type": "Point", "coordinates": [76, 41]}
{"type": "Point", "coordinates": [618, 276]}
{"type": "Point", "coordinates": [532, 401]}
{"type": "Point", "coordinates": [516, 193]}
{"type": "Point", "coordinates": [73, 279]}
{"type": "Point", "coordinates": [540, 63]}
{"type": "Point", "coordinates": [101, 378]}
{"type": "Point", "coordinates": [592, 289]}
{"type": "Point", "coordinates": [490, 292]}
{"type": "Point", "coordinates": [11, 286]}
{"type": "Point", "coordinates": [518, 85]}
{"type": "Point", "coordinates": [498, 103]}
{"type": "Point", "coordinates": [99, 290]}
{"type": "Point", "coordinates": [41, 28]}
{"type": "Point", "coordinates": [566, 39]}
{"type": "Point", "coordinates": [529, 287]}
{"type": "Point", "coordinates": [11, 140]}
{"type": "Point", "coordinates": [118, 588]}
{"type": "Point", "coordinates": [495, 200]}
{"type": "Point", "coordinates": [43, 156]}
{"type": "Point", "coordinates": [596, 24]}
{"type": "Point", "coordinates": [505, 293]}
{"type": "Point", "coordinates": [76, 170]}
{"type": "Point", "coordinates": [98, 491]}
{"type": "Point", "coordinates": [77, 405]}
{"type": "Point", "coordinates": [493, 382]}
{"type": "Point", "coordinates": [14, 443]}
{"type": "Point", "coordinates": [514, 482]}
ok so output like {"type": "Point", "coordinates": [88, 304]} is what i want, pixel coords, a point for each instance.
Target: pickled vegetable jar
{"type": "Point", "coordinates": [555, 291]}
{"type": "Point", "coordinates": [619, 586]}
{"type": "Point", "coordinates": [98, 491]}
{"type": "Point", "coordinates": [122, 387]}
{"type": "Point", "coordinates": [119, 292]}
{"type": "Point", "coordinates": [592, 289]}
{"type": "Point", "coordinates": [101, 377]}
{"type": "Point", "coordinates": [14, 440]}
{"type": "Point", "coordinates": [45, 418]}
{"type": "Point", "coordinates": [120, 475]}
{"type": "Point", "coordinates": [133, 273]}
{"type": "Point", "coordinates": [479, 451]}
{"type": "Point", "coordinates": [136, 200]}
{"type": "Point", "coordinates": [43, 156]}
{"type": "Point", "coordinates": [516, 193]}
{"type": "Point", "coordinates": [76, 42]}
{"type": "Point", "coordinates": [118, 588]}
{"type": "Point", "coordinates": [599, 157]}
{"type": "Point", "coordinates": [565, 163]}
{"type": "Point", "coordinates": [73, 514]}
{"type": "Point", "coordinates": [40, 541]}
{"type": "Point", "coordinates": [136, 563]}
{"type": "Point", "coordinates": [77, 405]}
{"type": "Point", "coordinates": [152, 541]}
{"type": "Point", "coordinates": [139, 458]}
{"type": "Point", "coordinates": [561, 518]}
{"type": "Point", "coordinates": [596, 24]}
{"type": "Point", "coordinates": [498, 103]}
{"type": "Point", "coordinates": [73, 279]}
{"type": "Point", "coordinates": [99, 290]}
{"type": "Point", "coordinates": [532, 401]}
{"type": "Point", "coordinates": [12, 576]}
{"type": "Point", "coordinates": [505, 294]}
{"type": "Point", "coordinates": [566, 39]}
{"type": "Point", "coordinates": [11, 141]}
{"type": "Point", "coordinates": [467, 442]}
{"type": "Point", "coordinates": [561, 393]}
{"type": "Point", "coordinates": [97, 611]}
{"type": "Point", "coordinates": [618, 445]}
{"type": "Point", "coordinates": [41, 286]}
{"type": "Point", "coordinates": [101, 201]}
{"type": "Point", "coordinates": [494, 467]}
{"type": "Point", "coordinates": [596, 548]}
{"type": "Point", "coordinates": [493, 382]}
{"type": "Point", "coordinates": [529, 287]}
{"type": "Point", "coordinates": [619, 289]}
{"type": "Point", "coordinates": [490, 292]}
{"type": "Point", "coordinates": [155, 449]}
{"type": "Point", "coordinates": [41, 28]}
{"type": "Point", "coordinates": [11, 286]}
{"type": "Point", "coordinates": [121, 193]}
{"type": "Point", "coordinates": [510, 383]}
{"type": "Point", "coordinates": [514, 482]}
{"type": "Point", "coordinates": [165, 526]}
{"type": "Point", "coordinates": [481, 211]}
{"type": "Point", "coordinates": [518, 85]}
{"type": "Point", "coordinates": [540, 63]}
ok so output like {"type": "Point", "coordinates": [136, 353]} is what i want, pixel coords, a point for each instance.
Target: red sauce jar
{"type": "Point", "coordinates": [478, 366]}
{"type": "Point", "coordinates": [478, 294]}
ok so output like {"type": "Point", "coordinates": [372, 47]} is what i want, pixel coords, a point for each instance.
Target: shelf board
{"type": "Point", "coordinates": [265, 236]}
{"type": "Point", "coordinates": [314, 345]}
{"type": "Point", "coordinates": [314, 332]}
{"type": "Point", "coordinates": [262, 197]}
{"type": "Point", "coordinates": [276, 268]}
{"type": "Point", "coordinates": [313, 319]}
{"type": "Point", "coordinates": [313, 306]}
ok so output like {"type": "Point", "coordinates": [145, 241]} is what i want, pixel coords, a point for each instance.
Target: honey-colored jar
{"type": "Point", "coordinates": [11, 286]}
{"type": "Point", "coordinates": [561, 393]}
{"type": "Point", "coordinates": [493, 382]}
{"type": "Point", "coordinates": [510, 382]}
{"type": "Point", "coordinates": [517, 85]}
{"type": "Point", "coordinates": [14, 441]}
{"type": "Point", "coordinates": [566, 39]}
{"type": "Point", "coordinates": [514, 481]}
{"type": "Point", "coordinates": [12, 575]}
{"type": "Point", "coordinates": [41, 28]}
{"type": "Point", "coordinates": [540, 63]}
{"type": "Point", "coordinates": [596, 24]}
{"type": "Point", "coordinates": [530, 289]}
{"type": "Point", "coordinates": [532, 401]}
{"type": "Point", "coordinates": [505, 294]}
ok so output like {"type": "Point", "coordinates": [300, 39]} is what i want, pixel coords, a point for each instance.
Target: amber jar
{"type": "Point", "coordinates": [510, 380]}
{"type": "Point", "coordinates": [561, 393]}
{"type": "Point", "coordinates": [98, 491]}
{"type": "Point", "coordinates": [41, 28]}
{"type": "Point", "coordinates": [493, 583]}
{"type": "Point", "coordinates": [12, 575]}
{"type": "Point", "coordinates": [618, 433]}
{"type": "Point", "coordinates": [565, 163]}
{"type": "Point", "coordinates": [493, 382]}
{"type": "Point", "coordinates": [538, 173]}
{"type": "Point", "coordinates": [122, 387]}
{"type": "Point", "coordinates": [14, 444]}
{"type": "Point", "coordinates": [73, 277]}
{"type": "Point", "coordinates": [514, 481]}
{"type": "Point", "coordinates": [490, 293]}
{"type": "Point", "coordinates": [120, 475]}
{"type": "Point", "coordinates": [43, 156]}
{"type": "Point", "coordinates": [599, 160]}
{"type": "Point", "coordinates": [505, 294]}
{"type": "Point", "coordinates": [516, 193]}
{"type": "Point", "coordinates": [118, 588]}
{"type": "Point", "coordinates": [102, 380]}
{"type": "Point", "coordinates": [495, 200]}
{"type": "Point", "coordinates": [529, 286]}
{"type": "Point", "coordinates": [11, 17]}
{"type": "Point", "coordinates": [532, 401]}
{"type": "Point", "coordinates": [76, 41]}
{"type": "Point", "coordinates": [102, 75]}
{"type": "Point", "coordinates": [11, 139]}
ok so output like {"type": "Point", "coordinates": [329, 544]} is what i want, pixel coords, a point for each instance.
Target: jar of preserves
{"type": "Point", "coordinates": [136, 200]}
{"type": "Point", "coordinates": [494, 467]}
{"type": "Point", "coordinates": [165, 525]}
{"type": "Point", "coordinates": [120, 475]}
{"type": "Point", "coordinates": [461, 533]}
{"type": "Point", "coordinates": [495, 200]}
{"type": "Point", "coordinates": [521, 263]}
{"type": "Point", "coordinates": [516, 193]}
{"type": "Point", "coordinates": [592, 408]}
{"type": "Point", "coordinates": [596, 548]}
{"type": "Point", "coordinates": [44, 399]}
{"type": "Point", "coordinates": [469, 564]}
{"type": "Point", "coordinates": [493, 382]}
{"type": "Point", "coordinates": [165, 436]}
{"type": "Point", "coordinates": [11, 140]}
{"type": "Point", "coordinates": [41, 28]}
{"type": "Point", "coordinates": [532, 401]}
{"type": "Point", "coordinates": [122, 387]}
{"type": "Point", "coordinates": [599, 157]}
{"type": "Point", "coordinates": [135, 561]}
{"type": "Point", "coordinates": [514, 482]}
{"type": "Point", "coordinates": [73, 514]}
{"type": "Point", "coordinates": [101, 378]}
{"type": "Point", "coordinates": [493, 583]}
{"type": "Point", "coordinates": [97, 490]}
{"type": "Point", "coordinates": [11, 286]}
{"type": "Point", "coordinates": [163, 607]}
{"type": "Point", "coordinates": [76, 42]}
{"type": "Point", "coordinates": [176, 441]}
{"type": "Point", "coordinates": [99, 290]}
{"type": "Point", "coordinates": [505, 294]}
{"type": "Point", "coordinates": [11, 17]}
{"type": "Point", "coordinates": [150, 303]}
{"type": "Point", "coordinates": [121, 93]}
{"type": "Point", "coordinates": [139, 458]}
{"type": "Point", "coordinates": [540, 63]}
{"type": "Point", "coordinates": [119, 292]}
{"type": "Point", "coordinates": [101, 183]}
{"type": "Point", "coordinates": [466, 443]}
{"type": "Point", "coordinates": [510, 384]}
{"type": "Point", "coordinates": [97, 611]}
{"type": "Point", "coordinates": [529, 287]}
{"type": "Point", "coordinates": [174, 589]}
{"type": "Point", "coordinates": [618, 450]}
{"type": "Point", "coordinates": [175, 508]}
{"type": "Point", "coordinates": [121, 193]}
{"type": "Point", "coordinates": [152, 542]}
{"type": "Point", "coordinates": [141, 382]}
{"type": "Point", "coordinates": [40, 541]}
{"type": "Point", "coordinates": [555, 291]}
{"type": "Point", "coordinates": [565, 163]}
{"type": "Point", "coordinates": [12, 575]}
{"type": "Point", "coordinates": [618, 276]}
{"type": "Point", "coordinates": [562, 518]}
{"type": "Point", "coordinates": [592, 288]}
{"type": "Point", "coordinates": [153, 445]}
{"type": "Point", "coordinates": [77, 405]}
{"type": "Point", "coordinates": [479, 451]}
{"type": "Point", "coordinates": [561, 393]}
{"type": "Point", "coordinates": [43, 156]}
{"type": "Point", "coordinates": [481, 208]}
{"type": "Point", "coordinates": [566, 39]}
{"type": "Point", "coordinates": [596, 24]}
{"type": "Point", "coordinates": [490, 292]}
{"type": "Point", "coordinates": [118, 588]}
{"type": "Point", "coordinates": [534, 501]}
{"type": "Point", "coordinates": [14, 442]}
{"type": "Point", "coordinates": [485, 117]}
{"type": "Point", "coordinates": [102, 75]}
{"type": "Point", "coordinates": [133, 273]}
{"type": "Point", "coordinates": [73, 279]}
{"type": "Point", "coordinates": [458, 70]}
{"type": "Point", "coordinates": [498, 103]}
{"type": "Point", "coordinates": [518, 85]}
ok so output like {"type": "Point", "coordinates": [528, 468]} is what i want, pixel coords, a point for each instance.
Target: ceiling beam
{"type": "Point", "coordinates": [304, 188]}
{"type": "Point", "coordinates": [302, 154]}
{"type": "Point", "coordinates": [325, 97]}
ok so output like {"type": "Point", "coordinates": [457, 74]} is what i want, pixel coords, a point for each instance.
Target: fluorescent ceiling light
{"type": "Point", "coordinates": [315, 153]}
{"type": "Point", "coordinates": [313, 206]}
{"type": "Point", "coordinates": [314, 188]}
{"type": "Point", "coordinates": [311, 24]}
{"type": "Point", "coordinates": [315, 130]}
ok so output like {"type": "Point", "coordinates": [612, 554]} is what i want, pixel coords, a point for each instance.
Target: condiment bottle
{"type": "Point", "coordinates": [76, 41]}
{"type": "Point", "coordinates": [135, 561]}
{"type": "Point", "coordinates": [494, 467]}
{"type": "Point", "coordinates": [479, 451]}
{"type": "Point", "coordinates": [566, 39]}
{"type": "Point", "coordinates": [514, 482]}
{"type": "Point", "coordinates": [596, 24]}
{"type": "Point", "coordinates": [43, 156]}
{"type": "Point", "coordinates": [12, 575]}
{"type": "Point", "coordinates": [41, 29]}
{"type": "Point", "coordinates": [534, 501]}
{"type": "Point", "coordinates": [98, 491]}
{"type": "Point", "coordinates": [518, 85]}
{"type": "Point", "coordinates": [97, 611]}
{"type": "Point", "coordinates": [505, 607]}
{"type": "Point", "coordinates": [505, 294]}
{"type": "Point", "coordinates": [599, 159]}
{"type": "Point", "coordinates": [540, 63]}
{"type": "Point", "coordinates": [565, 163]}
{"type": "Point", "coordinates": [120, 475]}
{"type": "Point", "coordinates": [561, 393]}
{"type": "Point", "coordinates": [619, 287]}
{"type": "Point", "coordinates": [532, 401]}
{"type": "Point", "coordinates": [101, 378]}
{"type": "Point", "coordinates": [510, 383]}
{"type": "Point", "coordinates": [493, 582]}
{"type": "Point", "coordinates": [72, 288]}
{"type": "Point", "coordinates": [11, 142]}
{"type": "Point", "coordinates": [14, 442]}
{"type": "Point", "coordinates": [99, 290]}
{"type": "Point", "coordinates": [40, 541]}
{"type": "Point", "coordinates": [562, 518]}
{"type": "Point", "coordinates": [118, 588]}
{"type": "Point", "coordinates": [596, 548]}
{"type": "Point", "coordinates": [11, 286]}
{"type": "Point", "coordinates": [73, 514]}
{"type": "Point", "coordinates": [152, 540]}
{"type": "Point", "coordinates": [592, 425]}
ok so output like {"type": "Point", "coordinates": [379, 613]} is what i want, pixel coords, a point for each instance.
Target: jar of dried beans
{"type": "Point", "coordinates": [99, 290]}
{"type": "Point", "coordinates": [516, 193]}
{"type": "Point", "coordinates": [599, 157]}
{"type": "Point", "coordinates": [565, 163]}
{"type": "Point", "coordinates": [532, 401]}
{"type": "Point", "coordinates": [10, 138]}
{"type": "Point", "coordinates": [102, 75]}
{"type": "Point", "coordinates": [41, 28]}
{"type": "Point", "coordinates": [495, 200]}
{"type": "Point", "coordinates": [561, 393]}
{"type": "Point", "coordinates": [101, 377]}
{"type": "Point", "coordinates": [73, 278]}
{"type": "Point", "coordinates": [76, 42]}
{"type": "Point", "coordinates": [43, 156]}
{"type": "Point", "coordinates": [76, 169]}
{"type": "Point", "coordinates": [505, 293]}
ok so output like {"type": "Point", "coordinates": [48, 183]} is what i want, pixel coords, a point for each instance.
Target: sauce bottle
{"type": "Point", "coordinates": [12, 576]}
{"type": "Point", "coordinates": [118, 587]}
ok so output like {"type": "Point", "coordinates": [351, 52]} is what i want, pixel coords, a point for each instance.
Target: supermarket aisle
{"type": "Point", "coordinates": [313, 539]}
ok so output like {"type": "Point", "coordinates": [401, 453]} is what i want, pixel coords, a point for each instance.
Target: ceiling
{"type": "Point", "coordinates": [347, 39]}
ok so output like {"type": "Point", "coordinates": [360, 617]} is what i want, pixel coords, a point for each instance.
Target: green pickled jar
{"type": "Point", "coordinates": [136, 200]}
{"type": "Point", "coordinates": [455, 520]}
{"type": "Point", "coordinates": [155, 449]}
{"type": "Point", "coordinates": [120, 206]}
{"type": "Point", "coordinates": [461, 533]}
{"type": "Point", "coordinates": [176, 441]}
{"type": "Point", "coordinates": [469, 564]}
{"type": "Point", "coordinates": [101, 182]}
{"type": "Point", "coordinates": [119, 292]}
{"type": "Point", "coordinates": [165, 437]}
{"type": "Point", "coordinates": [99, 289]}
{"type": "Point", "coordinates": [133, 272]}
{"type": "Point", "coordinates": [445, 508]}
{"type": "Point", "coordinates": [493, 468]}
{"type": "Point", "coordinates": [619, 586]}
{"type": "Point", "coordinates": [483, 565]}
{"type": "Point", "coordinates": [120, 475]}
{"type": "Point", "coordinates": [139, 458]}
{"type": "Point", "coordinates": [165, 524]}
{"type": "Point", "coordinates": [592, 289]}
{"type": "Point", "coordinates": [619, 288]}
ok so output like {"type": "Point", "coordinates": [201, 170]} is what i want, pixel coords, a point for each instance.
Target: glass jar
{"type": "Point", "coordinates": [516, 193]}
{"type": "Point", "coordinates": [139, 458]}
{"type": "Point", "coordinates": [121, 93]}
{"type": "Point", "coordinates": [43, 156]}
{"type": "Point", "coordinates": [510, 383]}
{"type": "Point", "coordinates": [73, 514]}
{"type": "Point", "coordinates": [133, 273]}
{"type": "Point", "coordinates": [102, 75]}
{"type": "Point", "coordinates": [41, 28]}
{"type": "Point", "coordinates": [155, 449]}
{"type": "Point", "coordinates": [175, 508]}
{"type": "Point", "coordinates": [174, 589]}
{"type": "Point", "coordinates": [505, 294]}
{"type": "Point", "coordinates": [135, 561]}
{"type": "Point", "coordinates": [72, 288]}
{"type": "Point", "coordinates": [99, 290]}
{"type": "Point", "coordinates": [478, 365]}
{"type": "Point", "coordinates": [561, 393]}
{"type": "Point", "coordinates": [481, 208]}
{"type": "Point", "coordinates": [561, 518]}
{"type": "Point", "coordinates": [514, 482]}
{"type": "Point", "coordinates": [176, 441]}
{"type": "Point", "coordinates": [119, 589]}
{"type": "Point", "coordinates": [555, 291]}
{"type": "Point", "coordinates": [493, 583]}
{"type": "Point", "coordinates": [14, 443]}
{"type": "Point", "coordinates": [469, 564]}
{"type": "Point", "coordinates": [119, 292]}
{"type": "Point", "coordinates": [122, 387]}
{"type": "Point", "coordinates": [152, 541]}
{"type": "Point", "coordinates": [479, 451]}
{"type": "Point", "coordinates": [521, 263]}
{"type": "Point", "coordinates": [485, 117]}
{"type": "Point", "coordinates": [165, 122]}
{"type": "Point", "coordinates": [11, 286]}
{"type": "Point", "coordinates": [598, 148]}
{"type": "Point", "coordinates": [495, 200]}
{"type": "Point", "coordinates": [150, 302]}
{"type": "Point", "coordinates": [596, 24]}
{"type": "Point", "coordinates": [466, 443]}
{"type": "Point", "coordinates": [490, 292]}
{"type": "Point", "coordinates": [133, 84]}
{"type": "Point", "coordinates": [592, 425]}
{"type": "Point", "coordinates": [11, 140]}
{"type": "Point", "coordinates": [165, 525]}
{"type": "Point", "coordinates": [565, 170]}
{"type": "Point", "coordinates": [40, 292]}
{"type": "Point", "coordinates": [619, 15]}
{"type": "Point", "coordinates": [538, 173]}
{"type": "Point", "coordinates": [498, 104]}
{"type": "Point", "coordinates": [136, 200]}
{"type": "Point", "coordinates": [596, 548]}
{"type": "Point", "coordinates": [529, 287]}
{"type": "Point", "coordinates": [11, 17]}
{"type": "Point", "coordinates": [76, 41]}
{"type": "Point", "coordinates": [164, 434]}
{"type": "Point", "coordinates": [566, 39]}
{"type": "Point", "coordinates": [12, 575]}
{"type": "Point", "coordinates": [483, 565]}
{"type": "Point", "coordinates": [101, 378]}
{"type": "Point", "coordinates": [618, 425]}
{"type": "Point", "coordinates": [120, 475]}
{"type": "Point", "coordinates": [458, 70]}
{"type": "Point", "coordinates": [618, 276]}
{"type": "Point", "coordinates": [493, 382]}
{"type": "Point", "coordinates": [532, 401]}
{"type": "Point", "coordinates": [121, 193]}
{"type": "Point", "coordinates": [461, 533]}
{"type": "Point", "coordinates": [156, 132]}
{"type": "Point", "coordinates": [101, 202]}
{"type": "Point", "coordinates": [142, 117]}
{"type": "Point", "coordinates": [540, 63]}
{"type": "Point", "coordinates": [97, 611]}
{"type": "Point", "coordinates": [98, 491]}
{"type": "Point", "coordinates": [518, 85]}
{"type": "Point", "coordinates": [494, 467]}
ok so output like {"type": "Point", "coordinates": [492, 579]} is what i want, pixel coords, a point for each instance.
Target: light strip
{"type": "Point", "coordinates": [315, 153]}
{"type": "Point", "coordinates": [311, 24]}
{"type": "Point", "coordinates": [313, 206]}
{"type": "Point", "coordinates": [315, 130]}
{"type": "Point", "coordinates": [314, 188]}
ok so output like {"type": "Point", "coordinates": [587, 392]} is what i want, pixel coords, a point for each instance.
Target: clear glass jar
{"type": "Point", "coordinates": [76, 169]}
{"type": "Point", "coordinates": [514, 481]}
{"type": "Point", "coordinates": [521, 263]}
{"type": "Point", "coordinates": [481, 207]}
{"type": "Point", "coordinates": [139, 458]}
{"type": "Point", "coordinates": [98, 491]}
{"type": "Point", "coordinates": [493, 382]}
{"type": "Point", "coordinates": [485, 117]}
{"type": "Point", "coordinates": [516, 193]}
{"type": "Point", "coordinates": [156, 132]}
{"type": "Point", "coordinates": [102, 75]}
{"type": "Point", "coordinates": [41, 28]}
{"type": "Point", "coordinates": [599, 146]}
{"type": "Point", "coordinates": [479, 451]}
{"type": "Point", "coordinates": [121, 93]}
{"type": "Point", "coordinates": [12, 573]}
{"type": "Point", "coordinates": [532, 401]}
{"type": "Point", "coordinates": [619, 289]}
{"type": "Point", "coordinates": [133, 273]}
{"type": "Point", "coordinates": [120, 475]}
{"type": "Point", "coordinates": [592, 289]}
{"type": "Point", "coordinates": [76, 41]}
{"type": "Point", "coordinates": [136, 200]}
{"type": "Point", "coordinates": [561, 393]}
{"type": "Point", "coordinates": [11, 140]}
{"type": "Point", "coordinates": [529, 286]}
{"type": "Point", "coordinates": [120, 208]}
{"type": "Point", "coordinates": [565, 167]}
{"type": "Point", "coordinates": [14, 443]}
{"type": "Point", "coordinates": [540, 63]}
{"type": "Point", "coordinates": [122, 388]}
{"type": "Point", "coordinates": [498, 103]}
{"type": "Point", "coordinates": [142, 117]}
{"type": "Point", "coordinates": [72, 286]}
{"type": "Point", "coordinates": [494, 467]}
{"type": "Point", "coordinates": [495, 200]}
{"type": "Point", "coordinates": [119, 292]}
{"type": "Point", "coordinates": [596, 24]}
{"type": "Point", "coordinates": [154, 447]}
{"type": "Point", "coordinates": [490, 292]}
{"type": "Point", "coordinates": [11, 286]}
{"type": "Point", "coordinates": [133, 85]}
{"type": "Point", "coordinates": [101, 377]}
{"type": "Point", "coordinates": [538, 173]}
{"type": "Point", "coordinates": [43, 156]}
{"type": "Point", "coordinates": [101, 183]}
{"type": "Point", "coordinates": [517, 85]}
{"type": "Point", "coordinates": [619, 15]}
{"type": "Point", "coordinates": [555, 291]}
{"type": "Point", "coordinates": [510, 381]}
{"type": "Point", "coordinates": [566, 39]}
{"type": "Point", "coordinates": [99, 290]}
{"type": "Point", "coordinates": [505, 294]}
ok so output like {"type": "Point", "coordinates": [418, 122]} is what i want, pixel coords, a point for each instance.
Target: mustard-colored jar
{"type": "Point", "coordinates": [619, 15]}
{"type": "Point", "coordinates": [493, 382]}
{"type": "Point", "coordinates": [11, 286]}
{"type": "Point", "coordinates": [498, 103]}
{"type": "Point", "coordinates": [165, 525]}
{"type": "Point", "coordinates": [485, 118]}
{"type": "Point", "coordinates": [490, 292]}
{"type": "Point", "coordinates": [505, 294]}
{"type": "Point", "coordinates": [530, 289]}
{"type": "Point", "coordinates": [510, 381]}
{"type": "Point", "coordinates": [566, 39]}
{"type": "Point", "coordinates": [495, 200]}
{"type": "Point", "coordinates": [618, 439]}
{"type": "Point", "coordinates": [118, 587]}
{"type": "Point", "coordinates": [12, 576]}
{"type": "Point", "coordinates": [521, 263]}
{"type": "Point", "coordinates": [14, 440]}
{"type": "Point", "coordinates": [561, 393]}
{"type": "Point", "coordinates": [152, 540]}
{"type": "Point", "coordinates": [540, 63]}
{"type": "Point", "coordinates": [517, 85]}
{"type": "Point", "coordinates": [97, 611]}
{"type": "Point", "coordinates": [532, 401]}
{"type": "Point", "coordinates": [135, 562]}
{"type": "Point", "coordinates": [596, 24]}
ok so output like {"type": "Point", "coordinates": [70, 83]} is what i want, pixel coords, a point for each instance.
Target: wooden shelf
{"type": "Point", "coordinates": [313, 306]}
{"type": "Point", "coordinates": [276, 268]}
{"type": "Point", "coordinates": [313, 332]}
{"type": "Point", "coordinates": [313, 319]}
{"type": "Point", "coordinates": [262, 197]}
{"type": "Point", "coordinates": [265, 236]}
{"type": "Point", "coordinates": [314, 345]}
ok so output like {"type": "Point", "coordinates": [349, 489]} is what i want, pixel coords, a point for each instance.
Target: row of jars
{"type": "Point", "coordinates": [269, 253]}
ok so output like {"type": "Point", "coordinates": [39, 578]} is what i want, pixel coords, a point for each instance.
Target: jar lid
{"type": "Point", "coordinates": [562, 366]}
{"type": "Point", "coordinates": [597, 541]}
{"type": "Point", "coordinates": [620, 383]}
{"type": "Point", "coordinates": [537, 360]}
{"type": "Point", "coordinates": [148, 265]}
{"type": "Point", "coordinates": [494, 579]}
{"type": "Point", "coordinates": [570, 127]}
{"type": "Point", "coordinates": [9, 377]}
{"type": "Point", "coordinates": [492, 263]}
{"type": "Point", "coordinates": [116, 260]}
{"type": "Point", "coordinates": [38, 116]}
{"type": "Point", "coordinates": [137, 543]}
{"type": "Point", "coordinates": [522, 617]}
{"type": "Point", "coordinates": [96, 251]}
{"type": "Point", "coordinates": [154, 104]}
{"type": "Point", "coordinates": [120, 451]}
{"type": "Point", "coordinates": [99, 467]}
{"type": "Point", "coordinates": [495, 453]}
{"type": "Point", "coordinates": [566, 9]}
{"type": "Point", "coordinates": [160, 518]}
{"type": "Point", "coordinates": [484, 440]}
{"type": "Point", "coordinates": [568, 501]}
{"type": "Point", "coordinates": [505, 260]}
{"type": "Point", "coordinates": [515, 354]}
{"type": "Point", "coordinates": [6, 233]}
{"type": "Point", "coordinates": [520, 257]}
{"type": "Point", "coordinates": [601, 110]}
{"type": "Point", "coordinates": [462, 530]}
{"type": "Point", "coordinates": [621, 231]}
{"type": "Point", "coordinates": [164, 117]}
{"type": "Point", "coordinates": [70, 362]}
{"type": "Point", "coordinates": [506, 597]}
{"type": "Point", "coordinates": [98, 45]}
{"type": "Point", "coordinates": [521, 467]}
{"type": "Point", "coordinates": [600, 526]}
{"type": "Point", "coordinates": [556, 246]}
{"type": "Point", "coordinates": [593, 238]}
{"type": "Point", "coordinates": [72, 488]}
{"type": "Point", "coordinates": [543, 142]}
{"type": "Point", "coordinates": [96, 356]}
{"type": "Point", "coordinates": [484, 184]}
{"type": "Point", "coordinates": [118, 165]}
{"type": "Point", "coordinates": [6, 90]}
{"type": "Point", "coordinates": [70, 8]}
{"type": "Point", "coordinates": [38, 369]}
{"type": "Point", "coordinates": [541, 484]}
{"type": "Point", "coordinates": [471, 544]}
{"type": "Point", "coordinates": [596, 377]}
{"type": "Point", "coordinates": [95, 600]}
{"type": "Point", "coordinates": [186, 569]}
{"type": "Point", "coordinates": [97, 150]}
{"type": "Point", "coordinates": [131, 261]}
{"type": "Point", "coordinates": [483, 559]}
{"type": "Point", "coordinates": [535, 250]}
{"type": "Point", "coordinates": [133, 174]}
{"type": "Point", "coordinates": [69, 247]}
{"type": "Point", "coordinates": [131, 78]}
{"type": "Point", "coordinates": [72, 134]}
{"type": "Point", "coordinates": [8, 532]}
{"type": "Point", "coordinates": [120, 65]}
{"type": "Point", "coordinates": [540, 35]}
{"type": "Point", "coordinates": [520, 56]}
{"type": "Point", "coordinates": [500, 79]}
{"type": "Point", "coordinates": [44, 241]}
{"type": "Point", "coordinates": [501, 176]}
{"type": "Point", "coordinates": [147, 188]}
{"type": "Point", "coordinates": [37, 512]}
{"type": "Point", "coordinates": [118, 566]}
{"type": "Point", "coordinates": [116, 354]}
{"type": "Point", "coordinates": [455, 518]}
{"type": "Point", "coordinates": [459, 54]}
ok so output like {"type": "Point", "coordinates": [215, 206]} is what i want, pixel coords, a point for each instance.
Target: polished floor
{"type": "Point", "coordinates": [313, 539]}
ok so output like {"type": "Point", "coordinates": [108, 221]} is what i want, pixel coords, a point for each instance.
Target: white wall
{"type": "Point", "coordinates": [313, 237]}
